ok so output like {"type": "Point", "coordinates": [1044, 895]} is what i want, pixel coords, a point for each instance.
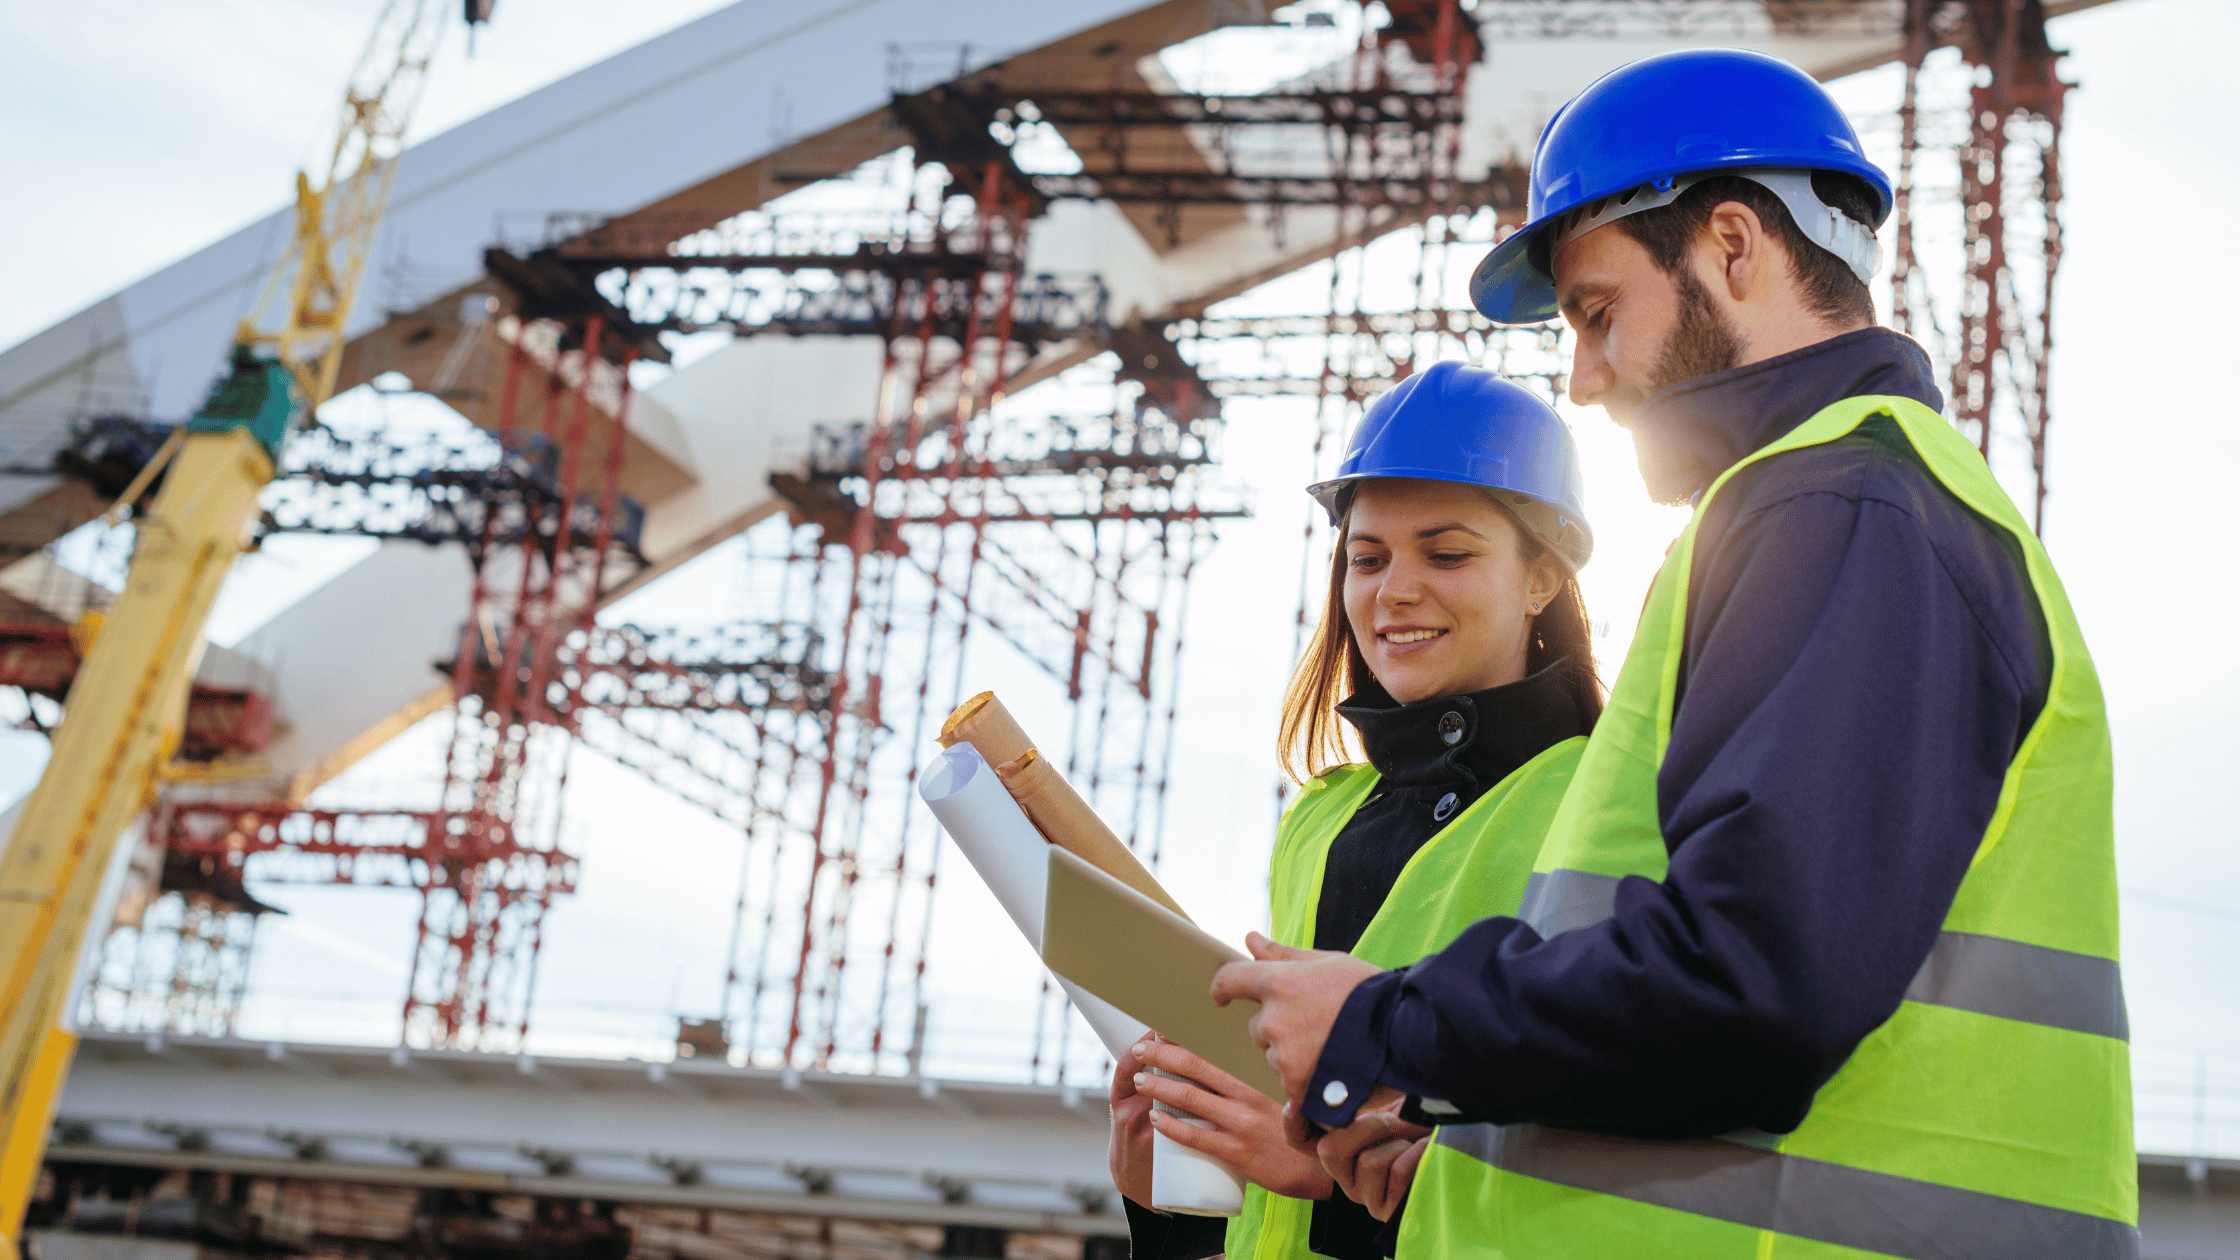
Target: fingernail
{"type": "Point", "coordinates": [1142, 1047]}
{"type": "Point", "coordinates": [1142, 1079]}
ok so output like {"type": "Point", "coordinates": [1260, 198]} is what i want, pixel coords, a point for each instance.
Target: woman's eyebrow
{"type": "Point", "coordinates": [1358, 536]}
{"type": "Point", "coordinates": [1434, 531]}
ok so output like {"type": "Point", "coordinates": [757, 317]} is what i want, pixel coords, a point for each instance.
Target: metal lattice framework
{"type": "Point", "coordinates": [1994, 109]}
{"type": "Point", "coordinates": [949, 533]}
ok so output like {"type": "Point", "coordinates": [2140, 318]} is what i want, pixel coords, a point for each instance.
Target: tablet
{"type": "Point", "coordinates": [1151, 963]}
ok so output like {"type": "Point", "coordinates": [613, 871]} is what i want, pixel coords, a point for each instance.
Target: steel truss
{"type": "Point", "coordinates": [1513, 21]}
{"type": "Point", "coordinates": [1996, 107]}
{"type": "Point", "coordinates": [947, 534]}
{"type": "Point", "coordinates": [488, 492]}
{"type": "Point", "coordinates": [834, 275]}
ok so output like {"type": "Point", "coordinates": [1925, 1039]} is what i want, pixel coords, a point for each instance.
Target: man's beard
{"type": "Point", "coordinates": [1702, 342]}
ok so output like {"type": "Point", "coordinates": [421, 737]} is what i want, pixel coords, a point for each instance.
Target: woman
{"type": "Point", "coordinates": [1454, 628]}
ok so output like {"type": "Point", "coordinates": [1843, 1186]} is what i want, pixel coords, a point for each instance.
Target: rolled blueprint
{"type": "Point", "coordinates": [1007, 852]}
{"type": "Point", "coordinates": [1056, 810]}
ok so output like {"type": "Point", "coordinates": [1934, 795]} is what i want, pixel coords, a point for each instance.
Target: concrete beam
{"type": "Point", "coordinates": [738, 1125]}
{"type": "Point", "coordinates": [799, 1088]}
{"type": "Point", "coordinates": [414, 1066]}
{"type": "Point", "coordinates": [277, 1052]}
{"type": "Point", "coordinates": [528, 1066]}
{"type": "Point", "coordinates": [660, 1074]}
{"type": "Point", "coordinates": [930, 1090]}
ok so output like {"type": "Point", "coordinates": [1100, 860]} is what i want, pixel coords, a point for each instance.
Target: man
{"type": "Point", "coordinates": [1820, 951]}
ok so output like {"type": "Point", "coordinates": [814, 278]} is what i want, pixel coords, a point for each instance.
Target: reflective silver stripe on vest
{"type": "Point", "coordinates": [1992, 975]}
{"type": "Point", "coordinates": [1806, 1198]}
{"type": "Point", "coordinates": [1988, 975]}
{"type": "Point", "coordinates": [1558, 901]}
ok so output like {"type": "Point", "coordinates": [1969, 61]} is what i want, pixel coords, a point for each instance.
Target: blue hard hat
{"type": "Point", "coordinates": [1638, 134]}
{"type": "Point", "coordinates": [1464, 424]}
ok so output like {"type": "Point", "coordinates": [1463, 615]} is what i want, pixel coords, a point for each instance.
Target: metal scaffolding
{"type": "Point", "coordinates": [957, 532]}
{"type": "Point", "coordinates": [1993, 106]}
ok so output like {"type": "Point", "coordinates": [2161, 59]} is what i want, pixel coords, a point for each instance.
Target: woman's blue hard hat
{"type": "Point", "coordinates": [1463, 424]}
{"type": "Point", "coordinates": [1638, 134]}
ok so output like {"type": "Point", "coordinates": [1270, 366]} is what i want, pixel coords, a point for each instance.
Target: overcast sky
{"type": "Point", "coordinates": [137, 131]}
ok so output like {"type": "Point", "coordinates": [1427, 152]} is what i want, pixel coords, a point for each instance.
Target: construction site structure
{"type": "Point", "coordinates": [917, 515]}
{"type": "Point", "coordinates": [127, 706]}
{"type": "Point", "coordinates": [1384, 130]}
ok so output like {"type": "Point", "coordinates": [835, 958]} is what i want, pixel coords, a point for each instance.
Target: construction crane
{"type": "Point", "coordinates": [127, 706]}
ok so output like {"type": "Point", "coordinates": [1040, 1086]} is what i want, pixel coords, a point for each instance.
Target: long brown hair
{"type": "Point", "coordinates": [1312, 739]}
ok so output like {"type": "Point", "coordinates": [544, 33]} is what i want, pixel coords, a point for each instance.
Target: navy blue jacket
{"type": "Point", "coordinates": [1863, 657]}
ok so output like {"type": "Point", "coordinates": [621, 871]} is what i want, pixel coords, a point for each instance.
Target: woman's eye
{"type": "Point", "coordinates": [1449, 557]}
{"type": "Point", "coordinates": [1362, 564]}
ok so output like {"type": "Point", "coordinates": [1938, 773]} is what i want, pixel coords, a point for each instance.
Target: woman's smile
{"type": "Point", "coordinates": [1408, 639]}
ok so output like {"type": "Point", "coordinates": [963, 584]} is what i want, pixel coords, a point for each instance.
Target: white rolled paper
{"type": "Point", "coordinates": [979, 814]}
{"type": "Point", "coordinates": [1013, 858]}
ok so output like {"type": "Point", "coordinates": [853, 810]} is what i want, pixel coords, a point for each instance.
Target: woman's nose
{"type": "Point", "coordinates": [1400, 586]}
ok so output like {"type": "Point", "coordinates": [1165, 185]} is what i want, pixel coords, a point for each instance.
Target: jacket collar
{"type": "Point", "coordinates": [1492, 731]}
{"type": "Point", "coordinates": [1687, 434]}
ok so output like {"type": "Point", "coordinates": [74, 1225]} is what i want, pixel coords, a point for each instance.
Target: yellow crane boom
{"type": "Point", "coordinates": [127, 705]}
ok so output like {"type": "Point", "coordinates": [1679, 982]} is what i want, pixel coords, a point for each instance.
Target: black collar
{"type": "Point", "coordinates": [1689, 433]}
{"type": "Point", "coordinates": [1492, 731]}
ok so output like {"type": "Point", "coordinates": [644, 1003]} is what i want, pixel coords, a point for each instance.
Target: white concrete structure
{"type": "Point", "coordinates": [703, 1135]}
{"type": "Point", "coordinates": [683, 1133]}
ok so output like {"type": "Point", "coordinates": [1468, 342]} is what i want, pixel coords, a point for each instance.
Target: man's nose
{"type": "Point", "coordinates": [1590, 373]}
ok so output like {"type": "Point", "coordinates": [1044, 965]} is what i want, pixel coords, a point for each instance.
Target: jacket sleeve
{"type": "Point", "coordinates": [1166, 1236]}
{"type": "Point", "coordinates": [1858, 680]}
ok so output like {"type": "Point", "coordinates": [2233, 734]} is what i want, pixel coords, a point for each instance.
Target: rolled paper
{"type": "Point", "coordinates": [994, 835]}
{"type": "Point", "coordinates": [1192, 1182]}
{"type": "Point", "coordinates": [1056, 810]}
{"type": "Point", "coordinates": [1012, 857]}
{"type": "Point", "coordinates": [985, 724]}
{"type": "Point", "coordinates": [1113, 1026]}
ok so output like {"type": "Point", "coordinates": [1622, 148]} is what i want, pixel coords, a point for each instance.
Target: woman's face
{"type": "Point", "coordinates": [1437, 591]}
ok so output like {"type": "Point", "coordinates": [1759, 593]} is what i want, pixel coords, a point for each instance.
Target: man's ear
{"type": "Point", "coordinates": [1739, 248]}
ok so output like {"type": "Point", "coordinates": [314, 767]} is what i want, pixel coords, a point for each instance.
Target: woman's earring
{"type": "Point", "coordinates": [1535, 609]}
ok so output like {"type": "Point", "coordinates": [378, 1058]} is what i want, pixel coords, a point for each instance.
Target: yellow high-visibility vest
{"type": "Point", "coordinates": [1989, 1118]}
{"type": "Point", "coordinates": [1474, 869]}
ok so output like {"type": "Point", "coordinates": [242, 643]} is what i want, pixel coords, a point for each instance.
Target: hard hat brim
{"type": "Point", "coordinates": [1508, 288]}
{"type": "Point", "coordinates": [1559, 527]}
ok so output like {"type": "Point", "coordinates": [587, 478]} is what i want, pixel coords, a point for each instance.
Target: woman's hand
{"type": "Point", "coordinates": [1248, 1129]}
{"type": "Point", "coordinates": [1129, 1153]}
{"type": "Point", "coordinates": [1373, 1160]}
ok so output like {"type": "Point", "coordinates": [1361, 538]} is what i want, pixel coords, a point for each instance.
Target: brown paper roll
{"type": "Point", "coordinates": [1050, 803]}
{"type": "Point", "coordinates": [985, 724]}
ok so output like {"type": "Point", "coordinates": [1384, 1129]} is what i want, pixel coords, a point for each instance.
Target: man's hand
{"type": "Point", "coordinates": [1247, 1130]}
{"type": "Point", "coordinates": [1374, 1159]}
{"type": "Point", "coordinates": [1299, 992]}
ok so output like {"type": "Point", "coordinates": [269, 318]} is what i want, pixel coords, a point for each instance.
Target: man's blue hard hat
{"type": "Point", "coordinates": [1464, 424]}
{"type": "Point", "coordinates": [1638, 132]}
